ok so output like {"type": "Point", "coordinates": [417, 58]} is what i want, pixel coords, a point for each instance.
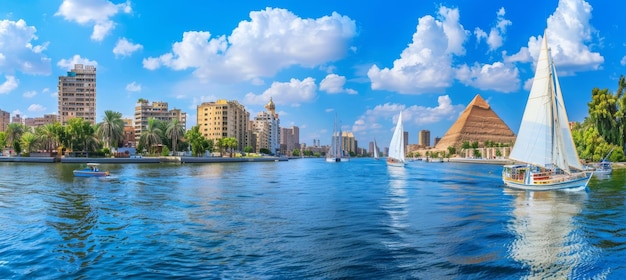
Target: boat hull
{"type": "Point", "coordinates": [81, 173]}
{"type": "Point", "coordinates": [579, 182]}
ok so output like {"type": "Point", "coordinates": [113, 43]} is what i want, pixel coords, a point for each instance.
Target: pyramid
{"type": "Point", "coordinates": [477, 123]}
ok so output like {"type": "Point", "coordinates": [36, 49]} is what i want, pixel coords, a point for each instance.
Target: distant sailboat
{"type": "Point", "coordinates": [396, 147]}
{"type": "Point", "coordinates": [376, 156]}
{"type": "Point", "coordinates": [335, 153]}
{"type": "Point", "coordinates": [544, 143]}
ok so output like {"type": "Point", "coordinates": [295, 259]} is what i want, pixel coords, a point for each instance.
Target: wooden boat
{"type": "Point", "coordinates": [92, 170]}
{"type": "Point", "coordinates": [544, 148]}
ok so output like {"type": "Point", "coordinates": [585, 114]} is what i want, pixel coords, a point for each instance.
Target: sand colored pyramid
{"type": "Point", "coordinates": [477, 123]}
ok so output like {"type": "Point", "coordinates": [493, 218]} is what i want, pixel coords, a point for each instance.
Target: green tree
{"type": "Point", "coordinates": [28, 142]}
{"type": "Point", "coordinates": [47, 136]}
{"type": "Point", "coordinates": [111, 129]}
{"type": "Point", "coordinates": [295, 152]}
{"type": "Point", "coordinates": [248, 149]}
{"type": "Point", "coordinates": [151, 136]}
{"type": "Point", "coordinates": [174, 131]}
{"type": "Point", "coordinates": [14, 134]}
{"type": "Point", "coordinates": [82, 135]}
{"type": "Point", "coordinates": [451, 150]}
{"type": "Point", "coordinates": [198, 143]}
{"type": "Point", "coordinates": [230, 143]}
{"type": "Point", "coordinates": [220, 145]}
{"type": "Point", "coordinates": [165, 151]}
{"type": "Point", "coordinates": [3, 140]}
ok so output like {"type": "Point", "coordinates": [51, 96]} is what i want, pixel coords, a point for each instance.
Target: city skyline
{"type": "Point", "coordinates": [363, 62]}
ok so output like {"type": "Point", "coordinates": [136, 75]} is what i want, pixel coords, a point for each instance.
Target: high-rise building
{"type": "Point", "coordinates": [405, 137]}
{"type": "Point", "coordinates": [424, 138]}
{"type": "Point", "coordinates": [17, 119]}
{"type": "Point", "coordinates": [5, 119]}
{"type": "Point", "coordinates": [77, 94]}
{"type": "Point", "coordinates": [144, 111]}
{"type": "Point", "coordinates": [289, 140]}
{"type": "Point", "coordinates": [266, 127]}
{"type": "Point", "coordinates": [221, 119]}
{"type": "Point", "coordinates": [349, 143]}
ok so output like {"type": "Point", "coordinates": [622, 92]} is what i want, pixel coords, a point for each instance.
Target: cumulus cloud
{"type": "Point", "coordinates": [497, 76]}
{"type": "Point", "coordinates": [273, 39]}
{"type": "Point", "coordinates": [9, 84]}
{"type": "Point", "coordinates": [29, 94]}
{"type": "Point", "coordinates": [125, 48]}
{"type": "Point", "coordinates": [36, 108]}
{"type": "Point", "coordinates": [334, 83]}
{"type": "Point", "coordinates": [292, 93]}
{"type": "Point", "coordinates": [426, 64]}
{"type": "Point", "coordinates": [93, 12]}
{"type": "Point", "coordinates": [17, 49]}
{"type": "Point", "coordinates": [623, 61]}
{"type": "Point", "coordinates": [496, 34]}
{"type": "Point", "coordinates": [68, 64]}
{"type": "Point", "coordinates": [568, 32]}
{"type": "Point", "coordinates": [133, 87]}
{"type": "Point", "coordinates": [372, 119]}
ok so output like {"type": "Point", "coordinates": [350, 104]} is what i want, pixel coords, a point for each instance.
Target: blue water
{"type": "Point", "coordinates": [304, 219]}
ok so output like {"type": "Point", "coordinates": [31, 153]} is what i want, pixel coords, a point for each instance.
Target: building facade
{"type": "Point", "coordinates": [289, 140]}
{"type": "Point", "coordinates": [266, 127]}
{"type": "Point", "coordinates": [17, 119]}
{"type": "Point", "coordinates": [221, 119]}
{"type": "Point", "coordinates": [144, 111]}
{"type": "Point", "coordinates": [348, 142]}
{"type": "Point", "coordinates": [40, 121]}
{"type": "Point", "coordinates": [424, 138]}
{"type": "Point", "coordinates": [5, 119]}
{"type": "Point", "coordinates": [77, 94]}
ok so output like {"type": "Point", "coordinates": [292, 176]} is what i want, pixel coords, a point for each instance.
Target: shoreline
{"type": "Point", "coordinates": [168, 159]}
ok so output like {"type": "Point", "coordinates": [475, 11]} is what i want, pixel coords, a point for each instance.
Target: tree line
{"type": "Point", "coordinates": [80, 135]}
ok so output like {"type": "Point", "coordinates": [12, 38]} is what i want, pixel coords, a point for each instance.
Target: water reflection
{"type": "Point", "coordinates": [548, 241]}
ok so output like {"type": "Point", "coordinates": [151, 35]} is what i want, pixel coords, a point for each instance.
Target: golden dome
{"type": "Point", "coordinates": [270, 105]}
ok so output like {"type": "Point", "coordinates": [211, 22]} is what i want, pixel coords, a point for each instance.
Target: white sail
{"type": "Point", "coordinates": [544, 137]}
{"type": "Point", "coordinates": [396, 147]}
{"type": "Point", "coordinates": [376, 150]}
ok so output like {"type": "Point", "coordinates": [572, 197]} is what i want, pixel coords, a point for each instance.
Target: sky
{"type": "Point", "coordinates": [360, 61]}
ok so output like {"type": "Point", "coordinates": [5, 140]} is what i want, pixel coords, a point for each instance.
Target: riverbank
{"type": "Point", "coordinates": [140, 159]}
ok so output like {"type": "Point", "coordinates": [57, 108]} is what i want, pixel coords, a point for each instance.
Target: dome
{"type": "Point", "coordinates": [270, 105]}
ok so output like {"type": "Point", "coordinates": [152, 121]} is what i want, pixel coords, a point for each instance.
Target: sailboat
{"type": "Point", "coordinates": [544, 148]}
{"type": "Point", "coordinates": [335, 153]}
{"type": "Point", "coordinates": [396, 147]}
{"type": "Point", "coordinates": [376, 156]}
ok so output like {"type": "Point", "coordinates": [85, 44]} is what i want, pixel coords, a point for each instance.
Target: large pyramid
{"type": "Point", "coordinates": [477, 123]}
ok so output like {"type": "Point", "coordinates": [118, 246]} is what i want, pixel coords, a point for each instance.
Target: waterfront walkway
{"type": "Point", "coordinates": [141, 159]}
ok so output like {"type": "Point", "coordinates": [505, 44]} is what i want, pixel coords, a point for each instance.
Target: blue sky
{"type": "Point", "coordinates": [362, 60]}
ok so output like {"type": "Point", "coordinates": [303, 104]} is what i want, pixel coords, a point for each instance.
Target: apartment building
{"type": "Point", "coordinates": [266, 127]}
{"type": "Point", "coordinates": [77, 94]}
{"type": "Point", "coordinates": [289, 140]}
{"type": "Point", "coordinates": [424, 138]}
{"type": "Point", "coordinates": [144, 111]}
{"type": "Point", "coordinates": [5, 119]}
{"type": "Point", "coordinates": [221, 119]}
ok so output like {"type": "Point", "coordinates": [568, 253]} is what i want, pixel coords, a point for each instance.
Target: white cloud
{"type": "Point", "coordinates": [568, 31]}
{"type": "Point", "coordinates": [125, 48]}
{"type": "Point", "coordinates": [496, 34]}
{"type": "Point", "coordinates": [371, 120]}
{"type": "Point", "coordinates": [93, 12]}
{"type": "Point", "coordinates": [292, 93]}
{"type": "Point", "coordinates": [29, 94]}
{"type": "Point", "coordinates": [334, 83]}
{"type": "Point", "coordinates": [9, 84]}
{"type": "Point", "coordinates": [17, 52]}
{"type": "Point", "coordinates": [426, 64]}
{"type": "Point", "coordinates": [497, 76]}
{"type": "Point", "coordinates": [623, 61]}
{"type": "Point", "coordinates": [273, 39]}
{"type": "Point", "coordinates": [68, 64]}
{"type": "Point", "coordinates": [36, 108]}
{"type": "Point", "coordinates": [133, 87]}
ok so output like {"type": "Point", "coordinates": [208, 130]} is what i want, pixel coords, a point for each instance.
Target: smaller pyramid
{"type": "Point", "coordinates": [477, 123]}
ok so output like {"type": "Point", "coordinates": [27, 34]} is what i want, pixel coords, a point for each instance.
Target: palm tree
{"type": "Point", "coordinates": [47, 136]}
{"type": "Point", "coordinates": [174, 131]}
{"type": "Point", "coordinates": [230, 143]}
{"type": "Point", "coordinates": [28, 141]}
{"type": "Point", "coordinates": [14, 132]}
{"type": "Point", "coordinates": [151, 136]}
{"type": "Point", "coordinates": [111, 129]}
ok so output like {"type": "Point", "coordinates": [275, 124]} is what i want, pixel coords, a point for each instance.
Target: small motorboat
{"type": "Point", "coordinates": [92, 170]}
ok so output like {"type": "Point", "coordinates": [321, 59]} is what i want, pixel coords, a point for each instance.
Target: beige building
{"type": "Point", "coordinates": [221, 119]}
{"type": "Point", "coordinates": [266, 126]}
{"type": "Point", "coordinates": [349, 143]}
{"type": "Point", "coordinates": [17, 119]}
{"type": "Point", "coordinates": [144, 110]}
{"type": "Point", "coordinates": [424, 138]}
{"type": "Point", "coordinates": [5, 119]}
{"type": "Point", "coordinates": [289, 140]}
{"type": "Point", "coordinates": [129, 133]}
{"type": "Point", "coordinates": [77, 94]}
{"type": "Point", "coordinates": [40, 121]}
